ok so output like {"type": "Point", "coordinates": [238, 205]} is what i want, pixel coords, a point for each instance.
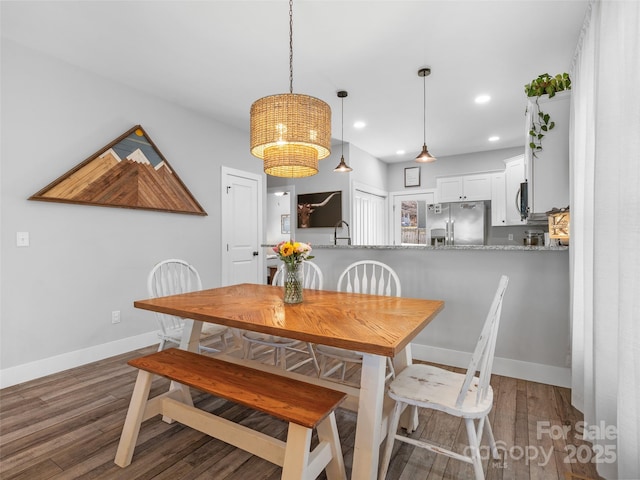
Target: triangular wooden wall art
{"type": "Point", "coordinates": [130, 172]}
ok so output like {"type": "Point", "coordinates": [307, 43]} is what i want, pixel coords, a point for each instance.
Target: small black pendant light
{"type": "Point", "coordinates": [342, 166]}
{"type": "Point", "coordinates": [425, 156]}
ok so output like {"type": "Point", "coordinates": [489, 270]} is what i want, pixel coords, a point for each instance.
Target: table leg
{"type": "Point", "coordinates": [190, 341]}
{"type": "Point", "coordinates": [409, 418]}
{"type": "Point", "coordinates": [191, 335]}
{"type": "Point", "coordinates": [366, 450]}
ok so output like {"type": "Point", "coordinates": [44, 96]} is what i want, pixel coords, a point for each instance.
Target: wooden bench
{"type": "Point", "coordinates": [305, 406]}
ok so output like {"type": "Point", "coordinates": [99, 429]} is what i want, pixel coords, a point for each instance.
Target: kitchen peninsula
{"type": "Point", "coordinates": [533, 342]}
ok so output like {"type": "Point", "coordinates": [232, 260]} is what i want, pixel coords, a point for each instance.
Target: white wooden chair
{"type": "Point", "coordinates": [365, 276]}
{"type": "Point", "coordinates": [171, 277]}
{"type": "Point", "coordinates": [463, 395]}
{"type": "Point", "coordinates": [283, 348]}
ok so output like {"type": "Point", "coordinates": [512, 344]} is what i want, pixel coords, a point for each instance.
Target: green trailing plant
{"type": "Point", "coordinates": [541, 123]}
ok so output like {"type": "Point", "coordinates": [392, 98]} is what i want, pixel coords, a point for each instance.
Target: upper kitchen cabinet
{"type": "Point", "coordinates": [464, 188]}
{"type": "Point", "coordinates": [506, 193]}
{"type": "Point", "coordinates": [514, 175]}
{"type": "Point", "coordinates": [498, 200]}
{"type": "Point", "coordinates": [547, 170]}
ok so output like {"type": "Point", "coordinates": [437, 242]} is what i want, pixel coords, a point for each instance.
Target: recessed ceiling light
{"type": "Point", "coordinates": [495, 138]}
{"type": "Point", "coordinates": [482, 98]}
{"type": "Point", "coordinates": [400, 152]}
{"type": "Point", "coordinates": [359, 124]}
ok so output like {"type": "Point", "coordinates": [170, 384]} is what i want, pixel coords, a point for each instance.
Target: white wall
{"type": "Point", "coordinates": [276, 207]}
{"type": "Point", "coordinates": [452, 165]}
{"type": "Point", "coordinates": [368, 170]}
{"type": "Point", "coordinates": [84, 262]}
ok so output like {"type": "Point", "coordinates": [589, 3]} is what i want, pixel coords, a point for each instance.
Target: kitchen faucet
{"type": "Point", "coordinates": [335, 233]}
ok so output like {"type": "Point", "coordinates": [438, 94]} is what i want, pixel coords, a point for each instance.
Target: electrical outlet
{"type": "Point", "coordinates": [511, 236]}
{"type": "Point", "coordinates": [115, 316]}
{"type": "Point", "coordinates": [22, 239]}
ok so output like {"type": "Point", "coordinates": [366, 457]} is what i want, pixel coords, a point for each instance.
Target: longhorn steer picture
{"type": "Point", "coordinates": [319, 209]}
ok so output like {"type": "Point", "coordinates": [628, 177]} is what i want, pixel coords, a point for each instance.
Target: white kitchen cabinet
{"type": "Point", "coordinates": [464, 188]}
{"type": "Point", "coordinates": [498, 200]}
{"type": "Point", "coordinates": [548, 172]}
{"type": "Point", "coordinates": [514, 175]}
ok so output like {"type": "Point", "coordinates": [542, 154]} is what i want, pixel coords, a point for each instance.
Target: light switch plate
{"type": "Point", "coordinates": [22, 239]}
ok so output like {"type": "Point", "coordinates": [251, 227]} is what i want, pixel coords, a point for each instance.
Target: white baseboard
{"type": "Point", "coordinates": [40, 368]}
{"type": "Point", "coordinates": [534, 372]}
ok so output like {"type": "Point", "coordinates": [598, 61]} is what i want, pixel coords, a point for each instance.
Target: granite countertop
{"type": "Point", "coordinates": [447, 247]}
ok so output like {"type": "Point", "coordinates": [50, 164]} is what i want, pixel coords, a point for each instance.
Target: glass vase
{"type": "Point", "coordinates": [293, 282]}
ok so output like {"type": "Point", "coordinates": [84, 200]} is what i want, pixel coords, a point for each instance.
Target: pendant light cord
{"type": "Point", "coordinates": [342, 129]}
{"type": "Point", "coordinates": [290, 46]}
{"type": "Point", "coordinates": [424, 108]}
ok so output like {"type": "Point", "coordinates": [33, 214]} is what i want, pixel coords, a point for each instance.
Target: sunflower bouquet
{"type": "Point", "coordinates": [293, 253]}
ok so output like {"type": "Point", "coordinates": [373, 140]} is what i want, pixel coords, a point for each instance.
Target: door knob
{"type": "Point", "coordinates": [255, 254]}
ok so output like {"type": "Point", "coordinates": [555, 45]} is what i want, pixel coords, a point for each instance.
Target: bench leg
{"type": "Point", "coordinates": [296, 454]}
{"type": "Point", "coordinates": [132, 423]}
{"type": "Point", "coordinates": [328, 432]}
{"type": "Point", "coordinates": [302, 464]}
{"type": "Point", "coordinates": [185, 397]}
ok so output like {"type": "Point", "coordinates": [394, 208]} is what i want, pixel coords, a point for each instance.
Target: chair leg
{"type": "Point", "coordinates": [410, 421]}
{"type": "Point", "coordinates": [475, 448]}
{"type": "Point", "coordinates": [392, 371]}
{"type": "Point", "coordinates": [323, 366]}
{"type": "Point", "coordinates": [391, 438]}
{"type": "Point", "coordinates": [312, 354]}
{"type": "Point", "coordinates": [246, 350]}
{"type": "Point", "coordinates": [281, 357]}
{"type": "Point", "coordinates": [492, 440]}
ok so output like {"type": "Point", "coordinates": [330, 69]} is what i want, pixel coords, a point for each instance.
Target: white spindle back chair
{"type": "Point", "coordinates": [365, 276]}
{"type": "Point", "coordinates": [370, 276]}
{"type": "Point", "coordinates": [282, 348]}
{"type": "Point", "coordinates": [463, 395]}
{"type": "Point", "coordinates": [172, 277]}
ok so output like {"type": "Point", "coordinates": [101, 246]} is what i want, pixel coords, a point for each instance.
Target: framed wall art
{"type": "Point", "coordinates": [412, 177]}
{"type": "Point", "coordinates": [285, 224]}
{"type": "Point", "coordinates": [129, 172]}
{"type": "Point", "coordinates": [319, 209]}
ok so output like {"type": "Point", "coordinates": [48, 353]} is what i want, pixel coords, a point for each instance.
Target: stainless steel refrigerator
{"type": "Point", "coordinates": [458, 223]}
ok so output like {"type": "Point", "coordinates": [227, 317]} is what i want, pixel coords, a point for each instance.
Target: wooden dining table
{"type": "Point", "coordinates": [375, 325]}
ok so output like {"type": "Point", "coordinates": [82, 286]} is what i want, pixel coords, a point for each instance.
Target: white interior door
{"type": "Point", "coordinates": [369, 225]}
{"type": "Point", "coordinates": [242, 256]}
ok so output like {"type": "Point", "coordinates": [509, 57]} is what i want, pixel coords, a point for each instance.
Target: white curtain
{"type": "Point", "coordinates": [605, 233]}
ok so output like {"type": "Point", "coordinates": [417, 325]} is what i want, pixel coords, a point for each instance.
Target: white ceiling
{"type": "Point", "coordinates": [217, 57]}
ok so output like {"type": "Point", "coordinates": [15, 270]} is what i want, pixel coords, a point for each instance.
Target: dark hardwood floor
{"type": "Point", "coordinates": [67, 426]}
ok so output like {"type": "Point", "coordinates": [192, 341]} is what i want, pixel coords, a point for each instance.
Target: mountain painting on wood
{"type": "Point", "coordinates": [130, 172]}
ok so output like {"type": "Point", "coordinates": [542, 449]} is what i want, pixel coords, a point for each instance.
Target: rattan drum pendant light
{"type": "Point", "coordinates": [425, 156]}
{"type": "Point", "coordinates": [290, 131]}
